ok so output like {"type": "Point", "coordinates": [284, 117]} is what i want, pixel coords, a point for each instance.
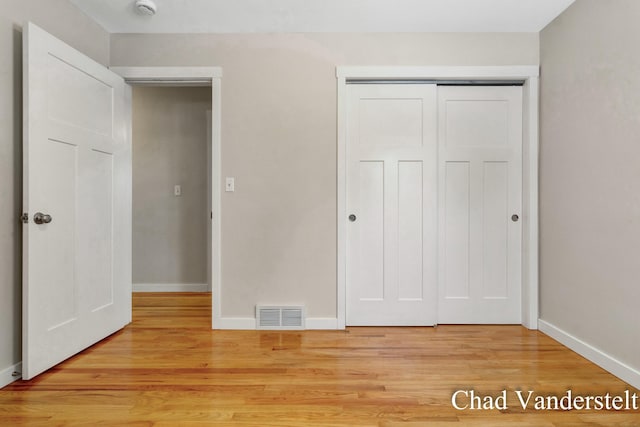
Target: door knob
{"type": "Point", "coordinates": [40, 218]}
{"type": "Point", "coordinates": [352, 217]}
{"type": "Point", "coordinates": [515, 218]}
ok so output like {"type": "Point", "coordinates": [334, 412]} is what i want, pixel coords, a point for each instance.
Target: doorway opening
{"type": "Point", "coordinates": [171, 189]}
{"type": "Point", "coordinates": [184, 80]}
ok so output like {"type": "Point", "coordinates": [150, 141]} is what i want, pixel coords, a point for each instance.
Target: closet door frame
{"type": "Point", "coordinates": [529, 76]}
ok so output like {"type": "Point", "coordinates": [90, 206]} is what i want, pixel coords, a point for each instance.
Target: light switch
{"type": "Point", "coordinates": [177, 190]}
{"type": "Point", "coordinates": [230, 184]}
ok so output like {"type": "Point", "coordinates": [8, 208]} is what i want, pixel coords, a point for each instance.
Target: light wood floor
{"type": "Point", "coordinates": [168, 368]}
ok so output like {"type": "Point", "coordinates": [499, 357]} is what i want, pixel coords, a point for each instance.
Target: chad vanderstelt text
{"type": "Point", "coordinates": [472, 400]}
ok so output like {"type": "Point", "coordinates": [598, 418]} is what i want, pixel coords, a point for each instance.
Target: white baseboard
{"type": "Point", "coordinates": [170, 287]}
{"type": "Point", "coordinates": [249, 323]}
{"type": "Point", "coordinates": [323, 323]}
{"type": "Point", "coordinates": [241, 323]}
{"type": "Point", "coordinates": [597, 356]}
{"type": "Point", "coordinates": [6, 375]}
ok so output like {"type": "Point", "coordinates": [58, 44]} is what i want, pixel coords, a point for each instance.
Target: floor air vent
{"type": "Point", "coordinates": [280, 317]}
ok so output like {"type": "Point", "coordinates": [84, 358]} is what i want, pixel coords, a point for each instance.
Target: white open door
{"type": "Point", "coordinates": [77, 202]}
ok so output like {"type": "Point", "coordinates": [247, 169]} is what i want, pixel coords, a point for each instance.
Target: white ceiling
{"type": "Point", "coordinates": [251, 16]}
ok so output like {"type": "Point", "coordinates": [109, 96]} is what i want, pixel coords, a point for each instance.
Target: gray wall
{"type": "Point", "coordinates": [590, 175]}
{"type": "Point", "coordinates": [279, 141]}
{"type": "Point", "coordinates": [66, 22]}
{"type": "Point", "coordinates": [169, 148]}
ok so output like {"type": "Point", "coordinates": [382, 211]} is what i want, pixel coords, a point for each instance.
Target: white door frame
{"type": "Point", "coordinates": [530, 76]}
{"type": "Point", "coordinates": [197, 76]}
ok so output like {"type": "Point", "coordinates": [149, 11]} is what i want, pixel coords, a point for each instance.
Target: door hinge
{"type": "Point", "coordinates": [24, 218]}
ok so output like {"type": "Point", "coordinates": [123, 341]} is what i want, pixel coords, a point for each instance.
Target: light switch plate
{"type": "Point", "coordinates": [230, 184]}
{"type": "Point", "coordinates": [177, 190]}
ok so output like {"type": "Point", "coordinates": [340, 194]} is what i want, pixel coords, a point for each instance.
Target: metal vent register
{"type": "Point", "coordinates": [280, 317]}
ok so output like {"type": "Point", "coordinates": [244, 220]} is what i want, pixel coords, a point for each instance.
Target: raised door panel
{"type": "Point", "coordinates": [410, 231]}
{"type": "Point", "coordinates": [371, 248]}
{"type": "Point", "coordinates": [456, 231]}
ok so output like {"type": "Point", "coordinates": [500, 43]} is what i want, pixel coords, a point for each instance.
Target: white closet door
{"type": "Point", "coordinates": [77, 193]}
{"type": "Point", "coordinates": [392, 200]}
{"type": "Point", "coordinates": [480, 204]}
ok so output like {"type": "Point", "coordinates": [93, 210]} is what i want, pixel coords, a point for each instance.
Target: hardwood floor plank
{"type": "Point", "coordinates": [168, 368]}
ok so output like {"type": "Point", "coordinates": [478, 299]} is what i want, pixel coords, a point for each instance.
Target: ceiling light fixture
{"type": "Point", "coordinates": [146, 7]}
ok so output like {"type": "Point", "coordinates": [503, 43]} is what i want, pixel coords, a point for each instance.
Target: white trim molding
{"type": "Point", "coordinates": [216, 200]}
{"type": "Point", "coordinates": [168, 75]}
{"type": "Point", "coordinates": [241, 323]}
{"type": "Point", "coordinates": [521, 72]}
{"type": "Point", "coordinates": [321, 323]}
{"type": "Point", "coordinates": [170, 287]}
{"type": "Point", "coordinates": [605, 361]}
{"type": "Point", "coordinates": [208, 76]}
{"type": "Point", "coordinates": [10, 374]}
{"type": "Point", "coordinates": [529, 75]}
{"type": "Point", "coordinates": [530, 167]}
